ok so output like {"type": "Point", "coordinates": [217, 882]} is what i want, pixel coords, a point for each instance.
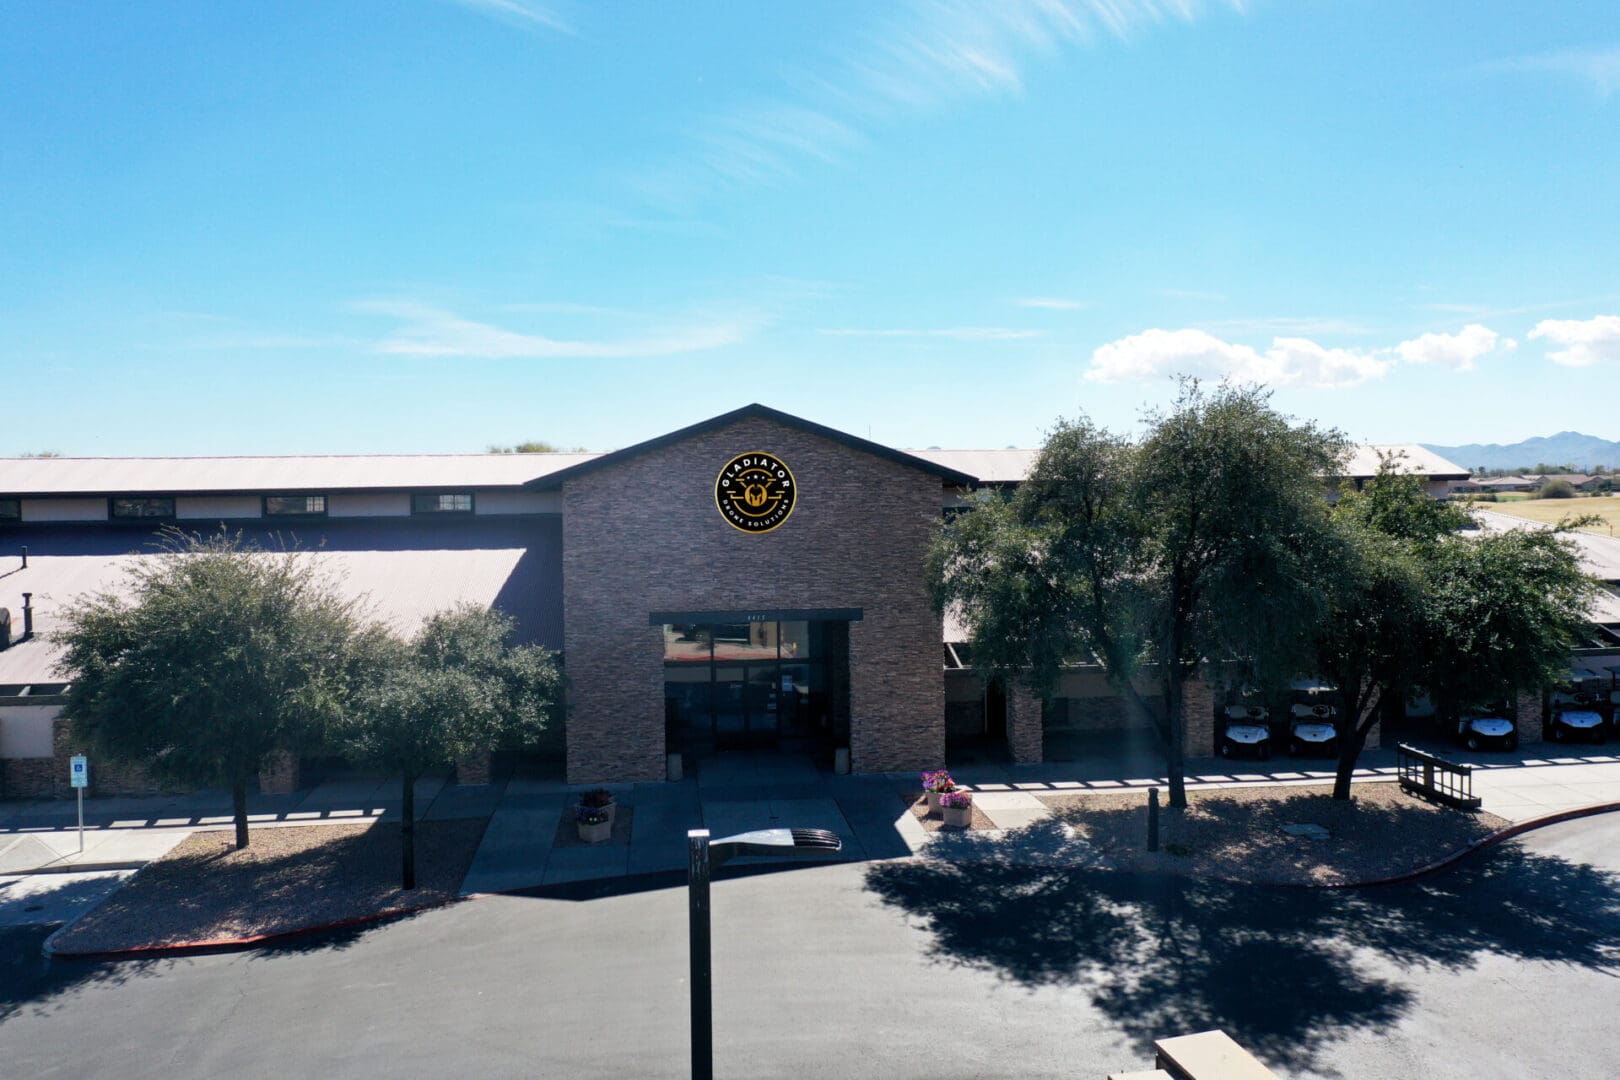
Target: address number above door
{"type": "Point", "coordinates": [755, 492]}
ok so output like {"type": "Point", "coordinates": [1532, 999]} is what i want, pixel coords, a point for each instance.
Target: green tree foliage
{"type": "Point", "coordinates": [534, 446]}
{"type": "Point", "coordinates": [220, 654]}
{"type": "Point", "coordinates": [1556, 489]}
{"type": "Point", "coordinates": [1416, 602]}
{"type": "Point", "coordinates": [1201, 540]}
{"type": "Point", "coordinates": [457, 687]}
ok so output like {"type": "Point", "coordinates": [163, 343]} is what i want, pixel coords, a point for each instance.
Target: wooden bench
{"type": "Point", "coordinates": [1209, 1055]}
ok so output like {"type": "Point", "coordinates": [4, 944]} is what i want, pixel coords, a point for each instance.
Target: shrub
{"type": "Point", "coordinates": [597, 797]}
{"type": "Point", "coordinates": [1557, 489]}
{"type": "Point", "coordinates": [590, 815]}
{"type": "Point", "coordinates": [938, 780]}
{"type": "Point", "coordinates": [956, 800]}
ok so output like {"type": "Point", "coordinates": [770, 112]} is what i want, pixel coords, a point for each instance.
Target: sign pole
{"type": "Point", "coordinates": [697, 889]}
{"type": "Point", "coordinates": [79, 777]}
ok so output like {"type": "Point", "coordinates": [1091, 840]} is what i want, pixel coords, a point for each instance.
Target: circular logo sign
{"type": "Point", "coordinates": [755, 492]}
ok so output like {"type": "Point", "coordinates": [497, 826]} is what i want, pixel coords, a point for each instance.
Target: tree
{"type": "Point", "coordinates": [222, 654]}
{"type": "Point", "coordinates": [1148, 558]}
{"type": "Point", "coordinates": [534, 446]}
{"type": "Point", "coordinates": [1414, 602]}
{"type": "Point", "coordinates": [40, 454]}
{"type": "Point", "coordinates": [1556, 489]}
{"type": "Point", "coordinates": [455, 688]}
{"type": "Point", "coordinates": [1371, 641]}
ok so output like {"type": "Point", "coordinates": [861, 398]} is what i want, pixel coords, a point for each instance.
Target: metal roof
{"type": "Point", "coordinates": [990, 466]}
{"type": "Point", "coordinates": [748, 412]}
{"type": "Point", "coordinates": [47, 477]}
{"type": "Point", "coordinates": [1363, 461]}
{"type": "Point", "coordinates": [402, 570]}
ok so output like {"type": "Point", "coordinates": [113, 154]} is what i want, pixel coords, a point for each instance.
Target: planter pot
{"type": "Point", "coordinates": [596, 834]}
{"type": "Point", "coordinates": [611, 809]}
{"type": "Point", "coordinates": [957, 815]}
{"type": "Point", "coordinates": [933, 801]}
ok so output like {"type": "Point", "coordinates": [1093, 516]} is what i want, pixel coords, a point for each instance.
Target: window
{"type": "Point", "coordinates": [295, 506]}
{"type": "Point", "coordinates": [138, 507]}
{"type": "Point", "coordinates": [442, 503]}
{"type": "Point", "coordinates": [10, 509]}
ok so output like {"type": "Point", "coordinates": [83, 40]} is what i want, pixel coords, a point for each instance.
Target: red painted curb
{"type": "Point", "coordinates": [144, 952]}
{"type": "Point", "coordinates": [1481, 844]}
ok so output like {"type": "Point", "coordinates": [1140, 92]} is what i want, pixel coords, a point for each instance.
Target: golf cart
{"type": "Point", "coordinates": [1244, 724]}
{"type": "Point", "coordinates": [1313, 719]}
{"type": "Point", "coordinates": [1576, 704]}
{"type": "Point", "coordinates": [1488, 727]}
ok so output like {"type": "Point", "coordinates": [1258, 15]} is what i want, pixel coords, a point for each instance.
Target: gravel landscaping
{"type": "Point", "coordinates": [1238, 833]}
{"type": "Point", "coordinates": [286, 879]}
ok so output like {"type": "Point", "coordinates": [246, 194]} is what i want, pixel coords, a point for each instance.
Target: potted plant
{"type": "Point", "coordinates": [594, 823]}
{"type": "Point", "coordinates": [600, 799]}
{"type": "Point", "coordinates": [957, 808]}
{"type": "Point", "coordinates": [936, 783]}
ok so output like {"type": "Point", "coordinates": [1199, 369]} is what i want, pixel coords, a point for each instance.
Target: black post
{"type": "Point", "coordinates": [25, 557]}
{"type": "Point", "coordinates": [407, 832]}
{"type": "Point", "coordinates": [28, 615]}
{"type": "Point", "coordinates": [697, 878]}
{"type": "Point", "coordinates": [1153, 819]}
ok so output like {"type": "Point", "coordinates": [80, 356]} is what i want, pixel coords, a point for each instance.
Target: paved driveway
{"type": "Point", "coordinates": [905, 968]}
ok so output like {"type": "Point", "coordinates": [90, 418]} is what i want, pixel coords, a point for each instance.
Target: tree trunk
{"type": "Point", "coordinates": [239, 811]}
{"type": "Point", "coordinates": [1352, 741]}
{"type": "Point", "coordinates": [407, 834]}
{"type": "Point", "coordinates": [1350, 744]}
{"type": "Point", "coordinates": [1175, 750]}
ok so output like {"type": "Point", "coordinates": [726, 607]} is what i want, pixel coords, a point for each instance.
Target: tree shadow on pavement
{"type": "Point", "coordinates": [1281, 969]}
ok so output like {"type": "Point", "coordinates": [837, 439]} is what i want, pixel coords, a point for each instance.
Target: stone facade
{"type": "Point", "coordinates": [280, 774]}
{"type": "Point", "coordinates": [1531, 713]}
{"type": "Point", "coordinates": [1025, 733]}
{"type": "Point", "coordinates": [1198, 707]}
{"type": "Point", "coordinates": [643, 535]}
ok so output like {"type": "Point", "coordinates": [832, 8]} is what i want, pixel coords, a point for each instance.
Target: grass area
{"type": "Point", "coordinates": [1551, 510]}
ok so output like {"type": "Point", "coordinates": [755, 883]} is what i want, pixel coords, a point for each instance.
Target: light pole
{"type": "Point", "coordinates": [702, 859]}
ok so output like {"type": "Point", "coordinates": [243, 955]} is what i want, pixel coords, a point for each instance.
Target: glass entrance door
{"type": "Point", "coordinates": [736, 685]}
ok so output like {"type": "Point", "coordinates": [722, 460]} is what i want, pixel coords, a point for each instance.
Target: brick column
{"type": "Point", "coordinates": [1198, 710]}
{"type": "Point", "coordinates": [1529, 718]}
{"type": "Point", "coordinates": [279, 774]}
{"type": "Point", "coordinates": [473, 769]}
{"type": "Point", "coordinates": [1025, 735]}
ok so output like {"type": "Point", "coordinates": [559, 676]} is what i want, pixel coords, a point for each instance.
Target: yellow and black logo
{"type": "Point", "coordinates": [755, 492]}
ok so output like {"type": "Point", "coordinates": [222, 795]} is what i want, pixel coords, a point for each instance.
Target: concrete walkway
{"type": "Point", "coordinates": [527, 842]}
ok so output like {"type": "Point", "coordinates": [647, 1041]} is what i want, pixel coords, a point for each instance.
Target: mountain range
{"type": "Point", "coordinates": [1566, 447]}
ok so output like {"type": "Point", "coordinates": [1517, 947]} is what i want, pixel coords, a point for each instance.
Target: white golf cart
{"type": "Point", "coordinates": [1478, 729]}
{"type": "Point", "coordinates": [1245, 724]}
{"type": "Point", "coordinates": [1577, 702]}
{"type": "Point", "coordinates": [1313, 719]}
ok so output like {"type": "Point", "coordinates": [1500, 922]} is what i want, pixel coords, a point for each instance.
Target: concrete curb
{"type": "Point", "coordinates": [76, 868]}
{"type": "Point", "coordinates": [219, 945]}
{"type": "Point", "coordinates": [1484, 842]}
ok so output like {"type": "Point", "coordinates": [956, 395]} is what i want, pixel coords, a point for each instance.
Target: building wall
{"type": "Point", "coordinates": [64, 510]}
{"type": "Point", "coordinates": [217, 507]}
{"type": "Point", "coordinates": [25, 730]}
{"type": "Point", "coordinates": [644, 536]}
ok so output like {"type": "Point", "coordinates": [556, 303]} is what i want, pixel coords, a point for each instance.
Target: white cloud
{"type": "Point", "coordinates": [1456, 351]}
{"type": "Point", "coordinates": [1586, 342]}
{"type": "Point", "coordinates": [1290, 361]}
{"type": "Point", "coordinates": [430, 331]}
{"type": "Point", "coordinates": [1598, 68]}
{"type": "Point", "coordinates": [956, 333]}
{"type": "Point", "coordinates": [925, 54]}
{"type": "Point", "coordinates": [1051, 303]}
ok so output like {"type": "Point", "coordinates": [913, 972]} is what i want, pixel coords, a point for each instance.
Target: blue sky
{"type": "Point", "coordinates": [430, 225]}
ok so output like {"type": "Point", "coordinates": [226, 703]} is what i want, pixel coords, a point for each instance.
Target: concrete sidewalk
{"type": "Point", "coordinates": [527, 841]}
